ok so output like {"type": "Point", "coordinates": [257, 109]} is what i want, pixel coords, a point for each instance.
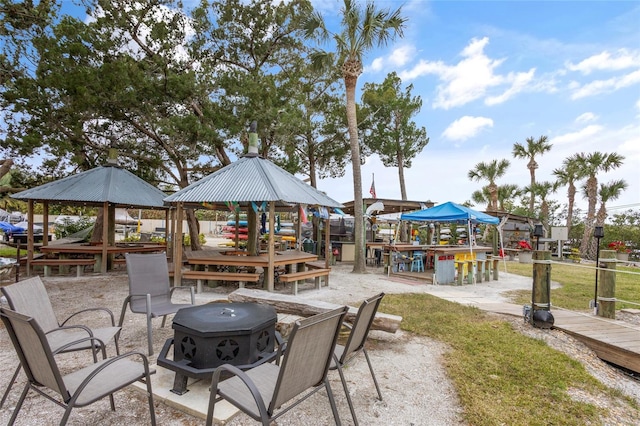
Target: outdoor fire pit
{"type": "Point", "coordinates": [207, 336]}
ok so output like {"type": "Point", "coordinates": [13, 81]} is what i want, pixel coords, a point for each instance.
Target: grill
{"type": "Point", "coordinates": [207, 336]}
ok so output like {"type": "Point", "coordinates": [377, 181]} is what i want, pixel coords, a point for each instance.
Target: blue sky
{"type": "Point", "coordinates": [494, 73]}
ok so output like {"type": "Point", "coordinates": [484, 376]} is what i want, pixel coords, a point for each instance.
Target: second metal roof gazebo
{"type": "Point", "coordinates": [249, 180]}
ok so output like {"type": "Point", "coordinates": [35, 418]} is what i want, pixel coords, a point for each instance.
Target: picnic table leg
{"type": "Point", "coordinates": [470, 271]}
{"type": "Point", "coordinates": [460, 266]}
{"type": "Point", "coordinates": [98, 265]}
{"type": "Point", "coordinates": [495, 269]}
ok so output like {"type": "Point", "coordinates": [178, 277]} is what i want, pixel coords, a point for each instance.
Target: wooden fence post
{"type": "Point", "coordinates": [541, 292]}
{"type": "Point", "coordinates": [607, 289]}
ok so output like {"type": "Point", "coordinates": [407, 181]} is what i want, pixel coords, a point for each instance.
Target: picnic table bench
{"type": "Point", "coordinates": [62, 264]}
{"type": "Point", "coordinates": [200, 276]}
{"type": "Point", "coordinates": [316, 273]}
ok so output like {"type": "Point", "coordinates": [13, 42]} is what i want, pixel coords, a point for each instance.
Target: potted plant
{"type": "Point", "coordinates": [575, 255]}
{"type": "Point", "coordinates": [621, 249]}
{"type": "Point", "coordinates": [526, 251]}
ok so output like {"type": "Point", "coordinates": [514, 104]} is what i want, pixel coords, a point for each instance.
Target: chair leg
{"type": "Point", "coordinates": [67, 413]}
{"type": "Point", "coordinates": [346, 392]}
{"type": "Point", "coordinates": [10, 385]}
{"type": "Point", "coordinates": [373, 375]}
{"type": "Point", "coordinates": [332, 401]}
{"type": "Point", "coordinates": [152, 410]}
{"type": "Point", "coordinates": [19, 405]}
{"type": "Point", "coordinates": [149, 334]}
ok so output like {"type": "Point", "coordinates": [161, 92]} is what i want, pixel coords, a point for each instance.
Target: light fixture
{"type": "Point", "coordinates": [598, 232]}
{"type": "Point", "coordinates": [538, 232]}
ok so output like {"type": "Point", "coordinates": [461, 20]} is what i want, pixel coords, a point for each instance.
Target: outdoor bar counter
{"type": "Point", "coordinates": [442, 259]}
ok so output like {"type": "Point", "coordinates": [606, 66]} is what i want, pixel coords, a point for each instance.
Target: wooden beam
{"type": "Point", "coordinates": [289, 304]}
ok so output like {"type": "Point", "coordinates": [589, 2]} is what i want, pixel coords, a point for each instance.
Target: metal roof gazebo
{"type": "Point", "coordinates": [247, 182]}
{"type": "Point", "coordinates": [107, 186]}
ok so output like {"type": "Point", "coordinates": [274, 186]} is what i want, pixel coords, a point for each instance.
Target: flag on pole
{"type": "Point", "coordinates": [372, 190]}
{"type": "Point", "coordinates": [303, 215]}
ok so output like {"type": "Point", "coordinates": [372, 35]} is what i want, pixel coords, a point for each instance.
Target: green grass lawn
{"type": "Point", "coordinates": [578, 285]}
{"type": "Point", "coordinates": [501, 376]}
{"type": "Point", "coordinates": [6, 251]}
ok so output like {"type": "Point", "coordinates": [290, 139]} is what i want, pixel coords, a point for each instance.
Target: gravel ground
{"type": "Point", "coordinates": [409, 368]}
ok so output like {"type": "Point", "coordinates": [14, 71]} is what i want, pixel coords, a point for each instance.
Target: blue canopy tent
{"type": "Point", "coordinates": [452, 213]}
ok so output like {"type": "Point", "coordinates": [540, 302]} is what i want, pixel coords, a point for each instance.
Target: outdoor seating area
{"type": "Point", "coordinates": [311, 347]}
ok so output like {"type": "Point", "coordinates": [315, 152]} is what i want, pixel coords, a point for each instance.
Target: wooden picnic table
{"type": "Point", "coordinates": [97, 250]}
{"type": "Point", "coordinates": [241, 261]}
{"type": "Point", "coordinates": [211, 257]}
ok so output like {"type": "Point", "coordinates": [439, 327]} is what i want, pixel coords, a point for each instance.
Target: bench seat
{"type": "Point", "coordinates": [303, 275]}
{"type": "Point", "coordinates": [320, 264]}
{"type": "Point", "coordinates": [78, 263]}
{"type": "Point", "coordinates": [199, 276]}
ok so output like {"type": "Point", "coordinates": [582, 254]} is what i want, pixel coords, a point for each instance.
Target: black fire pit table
{"type": "Point", "coordinates": [207, 336]}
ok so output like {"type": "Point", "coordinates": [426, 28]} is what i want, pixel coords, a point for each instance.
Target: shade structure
{"type": "Point", "coordinates": [249, 182]}
{"type": "Point", "coordinates": [106, 186]}
{"type": "Point", "coordinates": [250, 179]}
{"type": "Point", "coordinates": [454, 213]}
{"type": "Point", "coordinates": [450, 212]}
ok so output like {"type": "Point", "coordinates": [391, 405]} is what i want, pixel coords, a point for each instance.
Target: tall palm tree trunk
{"type": "Point", "coordinates": [358, 214]}
{"type": "Point", "coordinates": [587, 246]}
{"type": "Point", "coordinates": [572, 198]}
{"type": "Point", "coordinates": [532, 173]}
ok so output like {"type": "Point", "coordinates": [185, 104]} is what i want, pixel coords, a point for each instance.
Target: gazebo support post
{"type": "Point", "coordinates": [299, 229]}
{"type": "Point", "coordinates": [105, 236]}
{"type": "Point", "coordinates": [45, 223]}
{"type": "Point", "coordinates": [253, 247]}
{"type": "Point", "coordinates": [177, 247]}
{"type": "Point", "coordinates": [30, 240]}
{"type": "Point", "coordinates": [328, 250]}
{"type": "Point", "coordinates": [168, 230]}
{"type": "Point", "coordinates": [272, 239]}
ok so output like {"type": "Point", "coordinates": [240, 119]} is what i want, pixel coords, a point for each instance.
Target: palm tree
{"type": "Point", "coordinates": [608, 192]}
{"type": "Point", "coordinates": [481, 196]}
{"type": "Point", "coordinates": [361, 30]}
{"type": "Point", "coordinates": [490, 171]}
{"type": "Point", "coordinates": [590, 165]}
{"type": "Point", "coordinates": [534, 147]}
{"type": "Point", "coordinates": [568, 175]}
{"type": "Point", "coordinates": [542, 190]}
{"type": "Point", "coordinates": [506, 193]}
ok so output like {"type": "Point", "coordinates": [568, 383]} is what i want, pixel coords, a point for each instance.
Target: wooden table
{"type": "Point", "coordinates": [66, 250]}
{"type": "Point", "coordinates": [211, 257]}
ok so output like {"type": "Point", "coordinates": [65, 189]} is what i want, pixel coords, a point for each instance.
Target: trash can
{"type": "Point", "coordinates": [336, 250]}
{"type": "Point", "coordinates": [309, 246]}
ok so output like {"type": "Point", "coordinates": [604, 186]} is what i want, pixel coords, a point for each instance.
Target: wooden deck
{"type": "Point", "coordinates": [613, 341]}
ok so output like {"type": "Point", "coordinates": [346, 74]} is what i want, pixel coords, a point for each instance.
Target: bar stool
{"type": "Point", "coordinates": [417, 264]}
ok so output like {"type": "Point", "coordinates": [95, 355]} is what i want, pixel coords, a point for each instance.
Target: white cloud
{"type": "Point", "coordinates": [402, 55]}
{"type": "Point", "coordinates": [605, 86]}
{"type": "Point", "coordinates": [605, 61]}
{"type": "Point", "coordinates": [397, 58]}
{"type": "Point", "coordinates": [377, 64]}
{"type": "Point", "coordinates": [466, 127]}
{"type": "Point", "coordinates": [577, 137]}
{"type": "Point", "coordinates": [471, 78]}
{"type": "Point", "coordinates": [586, 117]}
{"type": "Point", "coordinates": [519, 81]}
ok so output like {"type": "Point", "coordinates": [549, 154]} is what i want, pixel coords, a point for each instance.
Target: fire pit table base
{"type": "Point", "coordinates": [207, 336]}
